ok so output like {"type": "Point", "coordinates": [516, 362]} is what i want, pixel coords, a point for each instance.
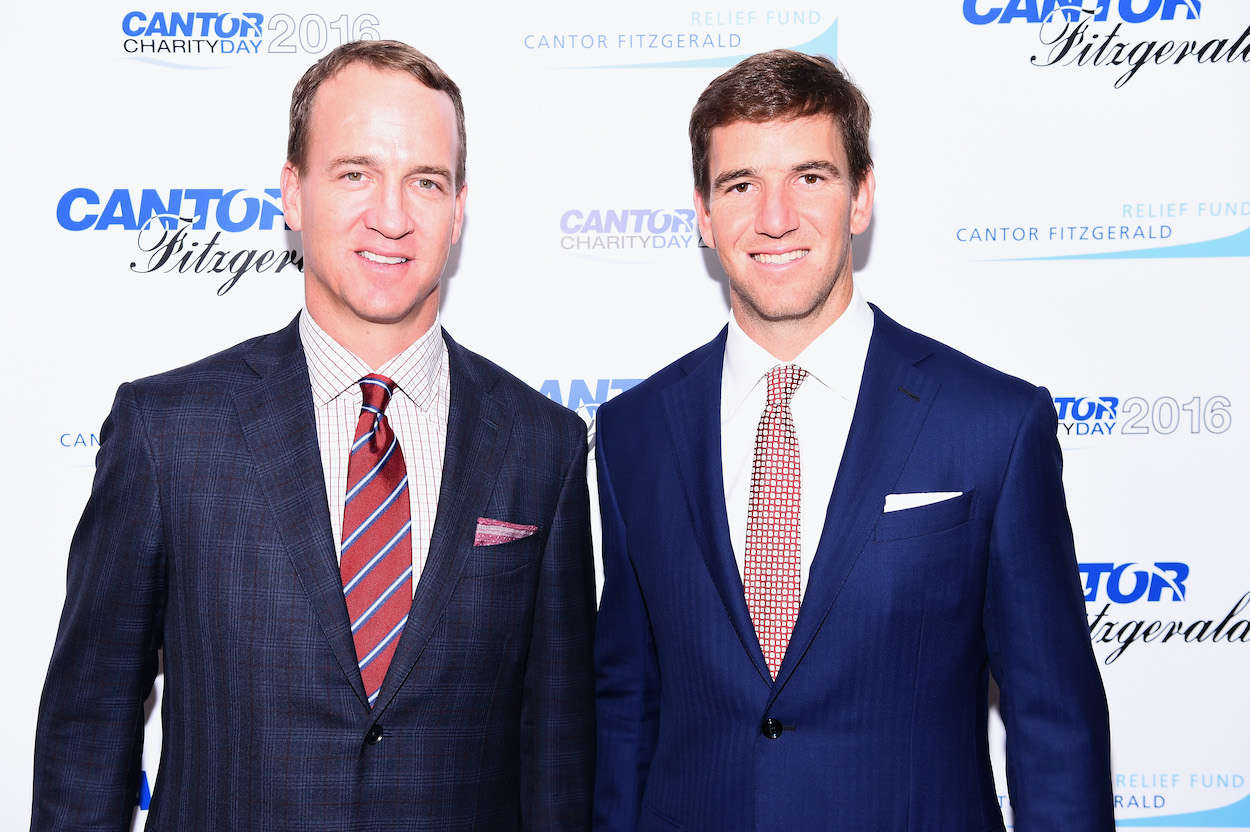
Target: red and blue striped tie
{"type": "Point", "coordinates": [376, 557]}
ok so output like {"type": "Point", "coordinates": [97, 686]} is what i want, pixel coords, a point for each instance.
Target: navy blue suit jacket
{"type": "Point", "coordinates": [882, 695]}
{"type": "Point", "coordinates": [207, 534]}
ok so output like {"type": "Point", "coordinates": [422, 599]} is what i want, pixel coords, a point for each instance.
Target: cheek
{"type": "Point", "coordinates": [827, 220]}
{"type": "Point", "coordinates": [730, 224]}
{"type": "Point", "coordinates": [337, 213]}
{"type": "Point", "coordinates": [427, 211]}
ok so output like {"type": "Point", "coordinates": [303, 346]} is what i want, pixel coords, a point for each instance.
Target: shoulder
{"type": "Point", "coordinates": [521, 401]}
{"type": "Point", "coordinates": [277, 355]}
{"type": "Point", "coordinates": [697, 373]}
{"type": "Point", "coordinates": [960, 376]}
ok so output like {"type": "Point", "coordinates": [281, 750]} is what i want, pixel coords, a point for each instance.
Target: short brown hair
{"type": "Point", "coordinates": [382, 55]}
{"type": "Point", "coordinates": [779, 86]}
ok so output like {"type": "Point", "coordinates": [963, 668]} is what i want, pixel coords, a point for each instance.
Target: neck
{"type": "Point", "coordinates": [785, 339]}
{"type": "Point", "coordinates": [374, 343]}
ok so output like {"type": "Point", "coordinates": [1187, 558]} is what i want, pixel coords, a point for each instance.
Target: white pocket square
{"type": "Point", "coordinates": [493, 532]}
{"type": "Point", "coordinates": [898, 502]}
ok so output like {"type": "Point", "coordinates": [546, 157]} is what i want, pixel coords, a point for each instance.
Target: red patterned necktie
{"type": "Point", "coordinates": [376, 559]}
{"type": "Point", "coordinates": [771, 571]}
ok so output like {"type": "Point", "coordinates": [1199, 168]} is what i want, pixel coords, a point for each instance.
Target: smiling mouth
{"type": "Point", "coordinates": [776, 259]}
{"type": "Point", "coordinates": [379, 258]}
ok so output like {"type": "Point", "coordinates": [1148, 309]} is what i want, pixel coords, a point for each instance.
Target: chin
{"type": "Point", "coordinates": [386, 317]}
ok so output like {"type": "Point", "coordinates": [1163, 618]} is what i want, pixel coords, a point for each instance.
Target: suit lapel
{"type": "Point", "coordinates": [894, 399]}
{"type": "Point", "coordinates": [692, 410]}
{"type": "Point", "coordinates": [280, 428]}
{"type": "Point", "coordinates": [478, 427]}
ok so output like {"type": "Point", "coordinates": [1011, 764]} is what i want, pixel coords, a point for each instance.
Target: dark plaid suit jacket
{"type": "Point", "coordinates": [207, 534]}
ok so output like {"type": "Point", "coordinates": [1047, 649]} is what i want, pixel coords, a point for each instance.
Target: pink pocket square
{"type": "Point", "coordinates": [493, 532]}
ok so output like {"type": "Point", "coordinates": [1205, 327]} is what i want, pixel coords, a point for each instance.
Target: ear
{"type": "Point", "coordinates": [459, 217]}
{"type": "Point", "coordinates": [861, 203]}
{"type": "Point", "coordinates": [291, 197]}
{"type": "Point", "coordinates": [704, 217]}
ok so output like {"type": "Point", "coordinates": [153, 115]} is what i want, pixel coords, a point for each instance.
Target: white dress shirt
{"type": "Point", "coordinates": [417, 413]}
{"type": "Point", "coordinates": [822, 409]}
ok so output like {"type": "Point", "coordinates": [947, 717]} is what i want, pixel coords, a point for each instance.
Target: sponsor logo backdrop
{"type": "Point", "coordinates": [1063, 193]}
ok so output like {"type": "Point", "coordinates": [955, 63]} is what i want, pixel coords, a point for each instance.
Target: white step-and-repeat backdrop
{"type": "Point", "coordinates": [1063, 195]}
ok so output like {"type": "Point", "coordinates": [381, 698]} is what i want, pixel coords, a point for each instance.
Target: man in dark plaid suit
{"type": "Point", "coordinates": [216, 521]}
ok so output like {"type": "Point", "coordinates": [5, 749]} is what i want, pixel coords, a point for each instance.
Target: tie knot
{"type": "Point", "coordinates": [783, 381]}
{"type": "Point", "coordinates": [377, 391]}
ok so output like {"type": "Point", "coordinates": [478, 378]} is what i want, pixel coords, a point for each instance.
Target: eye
{"type": "Point", "coordinates": [354, 176]}
{"type": "Point", "coordinates": [811, 178]}
{"type": "Point", "coordinates": [427, 184]}
{"type": "Point", "coordinates": [740, 187]}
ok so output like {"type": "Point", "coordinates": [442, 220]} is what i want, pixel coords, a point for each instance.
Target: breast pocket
{"type": "Point", "coordinates": [925, 520]}
{"type": "Point", "coordinates": [653, 820]}
{"type": "Point", "coordinates": [500, 558]}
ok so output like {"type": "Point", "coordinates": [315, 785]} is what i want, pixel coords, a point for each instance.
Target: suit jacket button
{"type": "Point", "coordinates": [771, 728]}
{"type": "Point", "coordinates": [375, 734]}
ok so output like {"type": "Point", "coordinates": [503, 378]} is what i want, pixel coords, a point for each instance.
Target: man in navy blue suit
{"type": "Point", "coordinates": [222, 532]}
{"type": "Point", "coordinates": [823, 532]}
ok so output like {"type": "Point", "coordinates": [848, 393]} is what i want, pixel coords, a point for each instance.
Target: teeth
{"type": "Point", "coordinates": [780, 258]}
{"type": "Point", "coordinates": [378, 258]}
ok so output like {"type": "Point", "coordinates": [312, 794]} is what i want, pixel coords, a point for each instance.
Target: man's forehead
{"type": "Point", "coordinates": [360, 92]}
{"type": "Point", "coordinates": [816, 121]}
{"type": "Point", "coordinates": [745, 136]}
{"type": "Point", "coordinates": [366, 74]}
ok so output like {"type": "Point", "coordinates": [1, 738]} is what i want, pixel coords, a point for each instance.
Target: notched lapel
{"type": "Point", "coordinates": [478, 428]}
{"type": "Point", "coordinates": [894, 400]}
{"type": "Point", "coordinates": [692, 410]}
{"type": "Point", "coordinates": [280, 428]}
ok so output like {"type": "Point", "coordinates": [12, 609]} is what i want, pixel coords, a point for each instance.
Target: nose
{"type": "Point", "coordinates": [776, 216]}
{"type": "Point", "coordinates": [388, 214]}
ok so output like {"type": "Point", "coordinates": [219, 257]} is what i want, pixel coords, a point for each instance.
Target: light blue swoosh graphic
{"type": "Point", "coordinates": [826, 43]}
{"type": "Point", "coordinates": [1234, 816]}
{"type": "Point", "coordinates": [1234, 245]}
{"type": "Point", "coordinates": [165, 64]}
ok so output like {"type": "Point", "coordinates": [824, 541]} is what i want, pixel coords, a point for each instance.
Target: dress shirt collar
{"type": "Point", "coordinates": [333, 369]}
{"type": "Point", "coordinates": [835, 358]}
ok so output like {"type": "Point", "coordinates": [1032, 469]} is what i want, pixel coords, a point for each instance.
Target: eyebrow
{"type": "Point", "coordinates": [819, 164]}
{"type": "Point", "coordinates": [730, 175]}
{"type": "Point", "coordinates": [431, 170]}
{"type": "Point", "coordinates": [743, 173]}
{"type": "Point", "coordinates": [352, 162]}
